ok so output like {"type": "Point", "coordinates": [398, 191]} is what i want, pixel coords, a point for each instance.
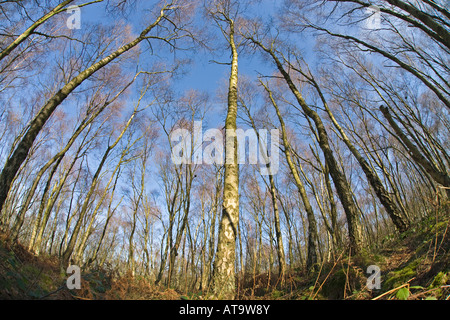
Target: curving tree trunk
{"type": "Point", "coordinates": [340, 182]}
{"type": "Point", "coordinates": [375, 182]}
{"type": "Point", "coordinates": [437, 175]}
{"type": "Point", "coordinates": [311, 259]}
{"type": "Point", "coordinates": [14, 162]}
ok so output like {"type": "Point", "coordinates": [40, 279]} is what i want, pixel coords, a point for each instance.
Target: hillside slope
{"type": "Point", "coordinates": [413, 265]}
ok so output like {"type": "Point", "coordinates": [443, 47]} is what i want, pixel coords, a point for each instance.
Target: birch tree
{"type": "Point", "coordinates": [14, 162]}
{"type": "Point", "coordinates": [224, 13]}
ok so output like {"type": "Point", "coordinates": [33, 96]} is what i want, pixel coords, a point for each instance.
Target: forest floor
{"type": "Point", "coordinates": [413, 265]}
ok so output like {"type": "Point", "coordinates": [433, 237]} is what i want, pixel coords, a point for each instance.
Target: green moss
{"type": "Point", "coordinates": [276, 294]}
{"type": "Point", "coordinates": [310, 293]}
{"type": "Point", "coordinates": [440, 279]}
{"type": "Point", "coordinates": [46, 282]}
{"type": "Point", "coordinates": [30, 271]}
{"type": "Point", "coordinates": [401, 276]}
{"type": "Point", "coordinates": [439, 227]}
{"type": "Point", "coordinates": [339, 282]}
{"type": "Point", "coordinates": [367, 259]}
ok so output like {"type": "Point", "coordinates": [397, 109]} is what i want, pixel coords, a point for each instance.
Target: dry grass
{"type": "Point", "coordinates": [420, 258]}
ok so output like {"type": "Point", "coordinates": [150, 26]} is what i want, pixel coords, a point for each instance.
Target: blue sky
{"type": "Point", "coordinates": [202, 74]}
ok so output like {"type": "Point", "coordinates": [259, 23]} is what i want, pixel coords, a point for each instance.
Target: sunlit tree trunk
{"type": "Point", "coordinates": [29, 31]}
{"type": "Point", "coordinates": [339, 179]}
{"type": "Point", "coordinates": [14, 162]}
{"type": "Point", "coordinates": [95, 180]}
{"type": "Point", "coordinates": [373, 179]}
{"type": "Point", "coordinates": [312, 236]}
{"type": "Point", "coordinates": [224, 264]}
{"type": "Point", "coordinates": [273, 193]}
{"type": "Point", "coordinates": [438, 175]}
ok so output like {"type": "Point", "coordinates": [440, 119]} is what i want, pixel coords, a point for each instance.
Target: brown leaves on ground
{"type": "Point", "coordinates": [129, 288]}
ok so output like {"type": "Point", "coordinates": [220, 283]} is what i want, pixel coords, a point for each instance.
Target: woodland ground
{"type": "Point", "coordinates": [414, 265]}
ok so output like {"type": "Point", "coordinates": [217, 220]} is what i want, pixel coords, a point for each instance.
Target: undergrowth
{"type": "Point", "coordinates": [414, 265]}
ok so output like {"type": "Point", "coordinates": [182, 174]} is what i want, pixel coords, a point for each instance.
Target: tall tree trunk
{"type": "Point", "coordinates": [49, 206]}
{"type": "Point", "coordinates": [14, 162]}
{"type": "Point", "coordinates": [74, 237]}
{"type": "Point", "coordinates": [273, 193]}
{"type": "Point", "coordinates": [212, 229]}
{"type": "Point", "coordinates": [171, 201]}
{"type": "Point", "coordinates": [224, 264]}
{"type": "Point", "coordinates": [375, 182]}
{"type": "Point", "coordinates": [87, 234]}
{"type": "Point", "coordinates": [280, 246]}
{"type": "Point", "coordinates": [57, 158]}
{"type": "Point", "coordinates": [339, 179]}
{"type": "Point", "coordinates": [439, 176]}
{"type": "Point", "coordinates": [313, 237]}
{"type": "Point", "coordinates": [189, 176]}
{"type": "Point", "coordinates": [108, 218]}
{"type": "Point", "coordinates": [27, 33]}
